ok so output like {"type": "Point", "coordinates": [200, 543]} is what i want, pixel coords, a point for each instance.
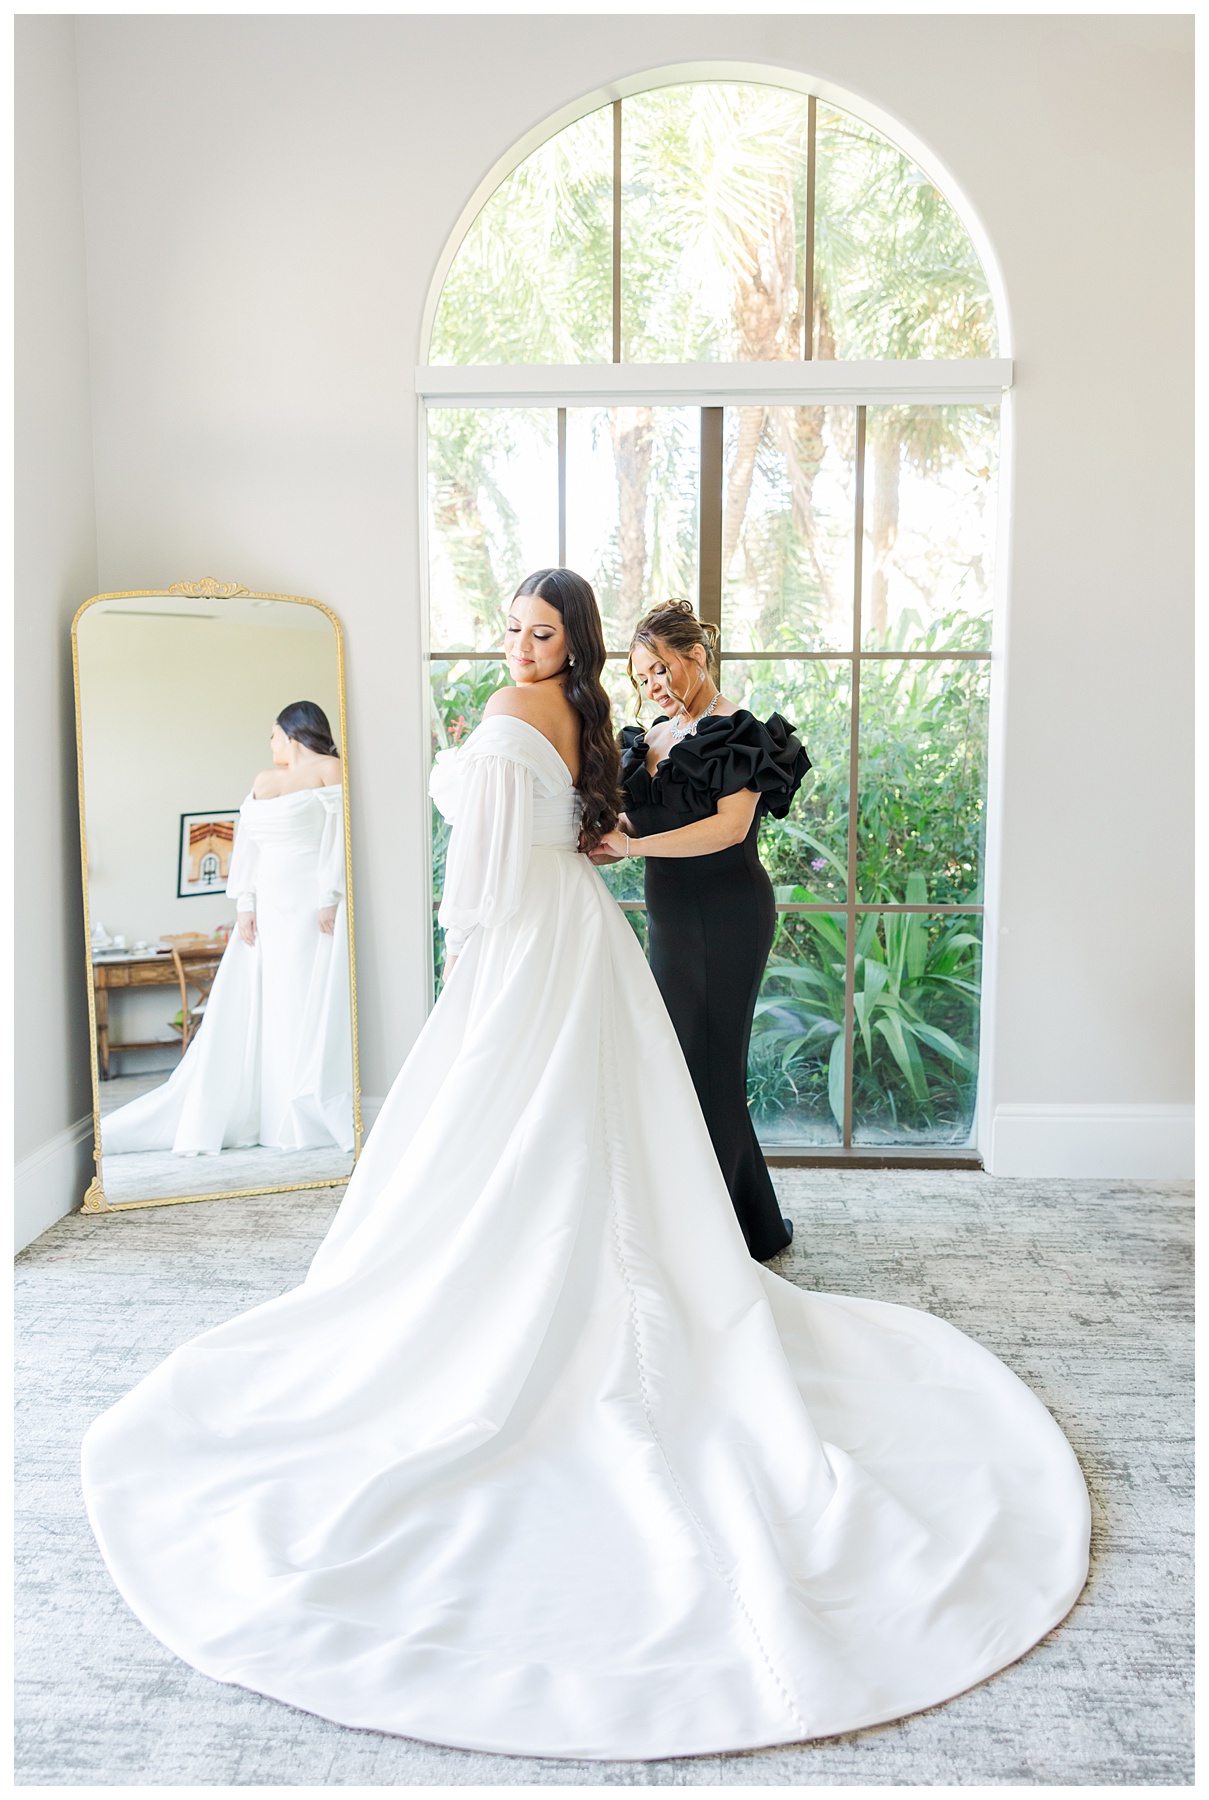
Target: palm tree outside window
{"type": "Point", "coordinates": [725, 340]}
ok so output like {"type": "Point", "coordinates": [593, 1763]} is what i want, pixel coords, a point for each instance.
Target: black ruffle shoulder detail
{"type": "Point", "coordinates": [632, 739]}
{"type": "Point", "coordinates": [721, 757]}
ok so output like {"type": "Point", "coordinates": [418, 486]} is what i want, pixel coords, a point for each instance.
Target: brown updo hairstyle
{"type": "Point", "coordinates": [599, 783]}
{"type": "Point", "coordinates": [673, 625]}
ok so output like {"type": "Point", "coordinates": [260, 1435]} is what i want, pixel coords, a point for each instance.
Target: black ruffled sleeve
{"type": "Point", "coordinates": [739, 751]}
{"type": "Point", "coordinates": [639, 784]}
{"type": "Point", "coordinates": [632, 739]}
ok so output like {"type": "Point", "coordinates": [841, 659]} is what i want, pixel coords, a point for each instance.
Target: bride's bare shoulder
{"type": "Point", "coordinates": [545, 710]}
{"type": "Point", "coordinates": [267, 785]}
{"type": "Point", "coordinates": [514, 703]}
{"type": "Point", "coordinates": [548, 711]}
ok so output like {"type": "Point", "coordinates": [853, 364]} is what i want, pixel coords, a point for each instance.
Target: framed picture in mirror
{"type": "Point", "coordinates": [221, 957]}
{"type": "Point", "coordinates": [207, 840]}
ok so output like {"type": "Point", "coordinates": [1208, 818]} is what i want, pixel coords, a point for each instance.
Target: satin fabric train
{"type": "Point", "coordinates": [272, 1063]}
{"type": "Point", "coordinates": [537, 1459]}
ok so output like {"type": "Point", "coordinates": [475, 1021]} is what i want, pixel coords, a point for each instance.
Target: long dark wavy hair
{"type": "Point", "coordinates": [307, 724]}
{"type": "Point", "coordinates": [599, 780]}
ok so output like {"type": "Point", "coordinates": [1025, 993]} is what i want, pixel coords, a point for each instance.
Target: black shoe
{"type": "Point", "coordinates": [768, 1256]}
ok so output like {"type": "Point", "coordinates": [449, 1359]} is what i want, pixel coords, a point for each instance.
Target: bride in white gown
{"type": "Point", "coordinates": [537, 1459]}
{"type": "Point", "coordinates": [272, 1062]}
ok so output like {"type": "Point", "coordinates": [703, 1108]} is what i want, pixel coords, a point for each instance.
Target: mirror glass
{"type": "Point", "coordinates": [216, 873]}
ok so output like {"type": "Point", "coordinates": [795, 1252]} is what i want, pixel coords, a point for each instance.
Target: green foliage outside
{"type": "Point", "coordinates": [916, 988]}
{"type": "Point", "coordinates": [713, 242]}
{"type": "Point", "coordinates": [920, 841]}
{"type": "Point", "coordinates": [922, 772]}
{"type": "Point", "coordinates": [713, 245]}
{"type": "Point", "coordinates": [532, 281]}
{"type": "Point", "coordinates": [472, 518]}
{"type": "Point", "coordinates": [896, 271]}
{"type": "Point", "coordinates": [713, 222]}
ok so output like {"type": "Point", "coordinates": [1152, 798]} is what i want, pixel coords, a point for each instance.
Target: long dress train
{"type": "Point", "coordinates": [272, 1062]}
{"type": "Point", "coordinates": [537, 1459]}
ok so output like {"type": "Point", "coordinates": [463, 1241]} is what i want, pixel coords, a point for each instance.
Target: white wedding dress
{"type": "Point", "coordinates": [537, 1460]}
{"type": "Point", "coordinates": [272, 1062]}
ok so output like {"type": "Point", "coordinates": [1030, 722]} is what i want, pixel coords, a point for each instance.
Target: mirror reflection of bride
{"type": "Point", "coordinates": [272, 1061]}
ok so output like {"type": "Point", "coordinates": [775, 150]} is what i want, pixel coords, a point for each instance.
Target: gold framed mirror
{"type": "Point", "coordinates": [216, 859]}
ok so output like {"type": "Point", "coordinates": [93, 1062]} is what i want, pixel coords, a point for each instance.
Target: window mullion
{"type": "Point", "coordinates": [808, 271]}
{"type": "Point", "coordinates": [709, 580]}
{"type": "Point", "coordinates": [617, 231]}
{"type": "Point", "coordinates": [562, 487]}
{"type": "Point", "coordinates": [854, 729]}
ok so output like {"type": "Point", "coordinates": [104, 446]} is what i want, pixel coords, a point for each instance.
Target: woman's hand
{"type": "Point", "coordinates": [612, 848]}
{"type": "Point", "coordinates": [247, 927]}
{"type": "Point", "coordinates": [327, 919]}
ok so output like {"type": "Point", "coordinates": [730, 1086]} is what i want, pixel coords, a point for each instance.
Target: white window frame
{"type": "Point", "coordinates": [970, 381]}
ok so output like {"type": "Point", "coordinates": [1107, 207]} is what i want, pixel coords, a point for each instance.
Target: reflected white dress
{"type": "Point", "coordinates": [536, 1459]}
{"type": "Point", "coordinates": [272, 1062]}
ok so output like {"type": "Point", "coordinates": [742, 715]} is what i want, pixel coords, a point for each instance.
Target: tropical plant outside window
{"type": "Point", "coordinates": [846, 549]}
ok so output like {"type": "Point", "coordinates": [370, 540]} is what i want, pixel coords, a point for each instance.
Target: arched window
{"type": "Point", "coordinates": [725, 340]}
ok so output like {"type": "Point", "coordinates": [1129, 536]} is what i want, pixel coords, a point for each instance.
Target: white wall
{"type": "Point", "coordinates": [55, 570]}
{"type": "Point", "coordinates": [266, 200]}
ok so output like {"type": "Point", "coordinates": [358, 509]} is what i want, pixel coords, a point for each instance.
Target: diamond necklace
{"type": "Point", "coordinates": [679, 731]}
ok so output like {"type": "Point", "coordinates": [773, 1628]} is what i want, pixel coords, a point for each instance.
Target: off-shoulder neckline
{"type": "Point", "coordinates": [512, 719]}
{"type": "Point", "coordinates": [327, 787]}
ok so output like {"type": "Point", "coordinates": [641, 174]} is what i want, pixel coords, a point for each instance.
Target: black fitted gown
{"type": "Point", "coordinates": [711, 921]}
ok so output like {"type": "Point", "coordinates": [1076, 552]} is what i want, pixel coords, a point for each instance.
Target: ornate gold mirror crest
{"type": "Point", "coordinates": [223, 1009]}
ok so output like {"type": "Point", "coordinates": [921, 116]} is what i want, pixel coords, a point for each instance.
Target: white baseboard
{"type": "Point", "coordinates": [1123, 1142]}
{"type": "Point", "coordinates": [371, 1106]}
{"type": "Point", "coordinates": [51, 1181]}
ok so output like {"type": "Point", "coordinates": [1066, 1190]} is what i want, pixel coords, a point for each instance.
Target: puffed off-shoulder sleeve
{"type": "Point", "coordinates": [242, 869]}
{"type": "Point", "coordinates": [331, 846]}
{"type": "Point", "coordinates": [489, 799]}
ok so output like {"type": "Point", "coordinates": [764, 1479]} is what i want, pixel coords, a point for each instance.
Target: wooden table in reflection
{"type": "Point", "coordinates": [142, 969]}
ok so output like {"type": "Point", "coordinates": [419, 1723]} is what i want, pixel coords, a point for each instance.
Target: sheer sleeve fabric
{"type": "Point", "coordinates": [488, 856]}
{"type": "Point", "coordinates": [331, 847]}
{"type": "Point", "coordinates": [241, 874]}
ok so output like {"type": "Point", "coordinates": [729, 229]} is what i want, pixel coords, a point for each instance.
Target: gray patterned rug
{"type": "Point", "coordinates": [1083, 1288]}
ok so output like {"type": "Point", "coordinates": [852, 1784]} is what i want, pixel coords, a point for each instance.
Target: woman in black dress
{"type": "Point", "coordinates": [696, 787]}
